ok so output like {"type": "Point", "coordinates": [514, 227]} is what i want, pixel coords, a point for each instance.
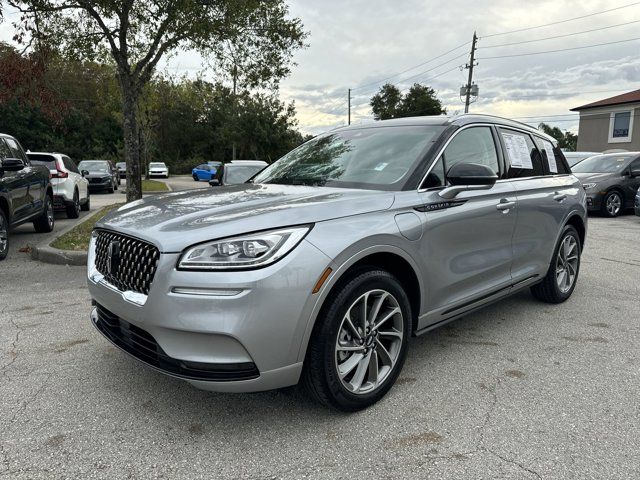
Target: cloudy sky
{"type": "Point", "coordinates": [359, 44]}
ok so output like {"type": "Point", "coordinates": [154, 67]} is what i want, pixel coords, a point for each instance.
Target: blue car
{"type": "Point", "coordinates": [205, 171]}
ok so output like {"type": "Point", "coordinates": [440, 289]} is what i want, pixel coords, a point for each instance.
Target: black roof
{"type": "Point", "coordinates": [456, 121]}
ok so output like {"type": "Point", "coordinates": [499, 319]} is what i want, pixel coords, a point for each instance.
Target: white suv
{"type": "Point", "coordinates": [70, 188]}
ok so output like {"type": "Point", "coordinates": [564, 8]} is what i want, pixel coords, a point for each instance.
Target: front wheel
{"type": "Point", "coordinates": [560, 280]}
{"type": "Point", "coordinates": [46, 221]}
{"type": "Point", "coordinates": [612, 204]}
{"type": "Point", "coordinates": [4, 235]}
{"type": "Point", "coordinates": [359, 343]}
{"type": "Point", "coordinates": [86, 206]}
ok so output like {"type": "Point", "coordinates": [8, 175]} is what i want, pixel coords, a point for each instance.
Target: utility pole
{"type": "Point", "coordinates": [470, 66]}
{"type": "Point", "coordinates": [349, 107]}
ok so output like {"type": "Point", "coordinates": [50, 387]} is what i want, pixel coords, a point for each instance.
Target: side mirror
{"type": "Point", "coordinates": [468, 176]}
{"type": "Point", "coordinates": [214, 182]}
{"type": "Point", "coordinates": [12, 164]}
{"type": "Point", "coordinates": [84, 173]}
{"type": "Point", "coordinates": [635, 172]}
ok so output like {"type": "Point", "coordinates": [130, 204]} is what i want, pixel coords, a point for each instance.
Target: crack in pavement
{"type": "Point", "coordinates": [13, 352]}
{"type": "Point", "coordinates": [29, 401]}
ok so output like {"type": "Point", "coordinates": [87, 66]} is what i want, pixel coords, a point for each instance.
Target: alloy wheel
{"type": "Point", "coordinates": [614, 204]}
{"type": "Point", "coordinates": [50, 214]}
{"type": "Point", "coordinates": [4, 234]}
{"type": "Point", "coordinates": [369, 341]}
{"type": "Point", "coordinates": [567, 263]}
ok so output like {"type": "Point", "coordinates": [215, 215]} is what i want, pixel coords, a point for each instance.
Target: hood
{"type": "Point", "coordinates": [177, 220]}
{"type": "Point", "coordinates": [587, 177]}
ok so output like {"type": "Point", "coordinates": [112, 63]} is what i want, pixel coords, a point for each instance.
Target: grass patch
{"type": "Point", "coordinates": [77, 239]}
{"type": "Point", "coordinates": [153, 186]}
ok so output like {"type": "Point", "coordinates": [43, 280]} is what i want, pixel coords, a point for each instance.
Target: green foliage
{"type": "Point", "coordinates": [565, 139]}
{"type": "Point", "coordinates": [420, 100]}
{"type": "Point", "coordinates": [182, 122]}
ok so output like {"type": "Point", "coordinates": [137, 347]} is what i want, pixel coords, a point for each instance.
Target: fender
{"type": "Point", "coordinates": [339, 269]}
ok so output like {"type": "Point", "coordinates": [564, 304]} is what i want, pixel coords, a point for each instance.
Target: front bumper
{"type": "Point", "coordinates": [102, 185]}
{"type": "Point", "coordinates": [594, 201]}
{"type": "Point", "coordinates": [220, 322]}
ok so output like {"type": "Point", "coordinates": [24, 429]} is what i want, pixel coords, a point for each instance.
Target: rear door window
{"type": "Point", "coordinates": [522, 156]}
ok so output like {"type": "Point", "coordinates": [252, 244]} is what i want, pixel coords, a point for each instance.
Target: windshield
{"type": "Point", "coordinates": [234, 174]}
{"type": "Point", "coordinates": [121, 165]}
{"type": "Point", "coordinates": [574, 159]}
{"type": "Point", "coordinates": [93, 166]}
{"type": "Point", "coordinates": [378, 157]}
{"type": "Point", "coordinates": [603, 164]}
{"type": "Point", "coordinates": [157, 165]}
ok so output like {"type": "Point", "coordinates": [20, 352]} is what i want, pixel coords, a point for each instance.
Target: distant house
{"type": "Point", "coordinates": [610, 123]}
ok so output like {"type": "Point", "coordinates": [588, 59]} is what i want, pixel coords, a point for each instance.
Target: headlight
{"type": "Point", "coordinates": [589, 186]}
{"type": "Point", "coordinates": [243, 252]}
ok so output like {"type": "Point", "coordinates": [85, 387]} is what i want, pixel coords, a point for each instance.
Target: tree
{"type": "Point", "coordinates": [565, 140]}
{"type": "Point", "coordinates": [136, 34]}
{"type": "Point", "coordinates": [420, 100]}
{"type": "Point", "coordinates": [386, 103]}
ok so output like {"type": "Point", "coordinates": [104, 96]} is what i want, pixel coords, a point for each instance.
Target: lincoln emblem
{"type": "Point", "coordinates": [113, 258]}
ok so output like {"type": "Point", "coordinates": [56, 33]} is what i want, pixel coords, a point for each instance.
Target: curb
{"type": "Point", "coordinates": [45, 253]}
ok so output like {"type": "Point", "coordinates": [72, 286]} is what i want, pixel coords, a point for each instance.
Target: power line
{"type": "Point", "coordinates": [378, 82]}
{"type": "Point", "coordinates": [559, 36]}
{"type": "Point", "coordinates": [561, 49]}
{"type": "Point", "coordinates": [562, 21]}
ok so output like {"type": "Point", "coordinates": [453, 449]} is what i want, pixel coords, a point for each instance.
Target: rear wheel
{"type": "Point", "coordinates": [359, 343]}
{"type": "Point", "coordinates": [46, 221]}
{"type": "Point", "coordinates": [561, 278]}
{"type": "Point", "coordinates": [73, 209]}
{"type": "Point", "coordinates": [612, 204]}
{"type": "Point", "coordinates": [4, 235]}
{"type": "Point", "coordinates": [195, 178]}
{"type": "Point", "coordinates": [86, 206]}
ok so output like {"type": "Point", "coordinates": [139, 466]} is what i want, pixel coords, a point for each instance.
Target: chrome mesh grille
{"type": "Point", "coordinates": [135, 266]}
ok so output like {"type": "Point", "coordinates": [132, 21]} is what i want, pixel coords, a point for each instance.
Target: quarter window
{"type": "Point", "coordinates": [16, 150]}
{"type": "Point", "coordinates": [523, 157]}
{"type": "Point", "coordinates": [472, 145]}
{"type": "Point", "coordinates": [4, 150]}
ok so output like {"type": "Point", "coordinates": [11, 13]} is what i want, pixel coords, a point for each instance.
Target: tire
{"type": "Point", "coordinates": [46, 221]}
{"type": "Point", "coordinates": [612, 204]}
{"type": "Point", "coordinates": [86, 206]}
{"type": "Point", "coordinates": [115, 185]}
{"type": "Point", "coordinates": [195, 178]}
{"type": "Point", "coordinates": [354, 392]}
{"type": "Point", "coordinates": [549, 290]}
{"type": "Point", "coordinates": [111, 189]}
{"type": "Point", "coordinates": [73, 209]}
{"type": "Point", "coordinates": [4, 235]}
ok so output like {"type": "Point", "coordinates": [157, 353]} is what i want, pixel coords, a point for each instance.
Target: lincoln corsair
{"type": "Point", "coordinates": [323, 266]}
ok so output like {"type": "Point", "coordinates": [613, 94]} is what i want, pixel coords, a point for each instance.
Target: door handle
{"type": "Point", "coordinates": [505, 205]}
{"type": "Point", "coordinates": [559, 197]}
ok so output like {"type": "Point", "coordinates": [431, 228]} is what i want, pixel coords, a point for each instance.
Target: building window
{"type": "Point", "coordinates": [620, 126]}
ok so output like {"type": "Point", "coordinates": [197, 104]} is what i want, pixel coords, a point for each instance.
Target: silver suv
{"type": "Point", "coordinates": [322, 268]}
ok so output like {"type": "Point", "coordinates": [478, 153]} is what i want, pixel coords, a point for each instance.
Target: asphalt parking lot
{"type": "Point", "coordinates": [520, 389]}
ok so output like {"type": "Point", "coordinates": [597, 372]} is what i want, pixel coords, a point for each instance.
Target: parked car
{"type": "Point", "coordinates": [367, 234]}
{"type": "Point", "coordinates": [158, 169]}
{"type": "Point", "coordinates": [26, 194]}
{"type": "Point", "coordinates": [205, 171]}
{"type": "Point", "coordinates": [122, 169]}
{"type": "Point", "coordinates": [611, 181]}
{"type": "Point", "coordinates": [99, 174]}
{"type": "Point", "coordinates": [236, 172]}
{"type": "Point", "coordinates": [577, 157]}
{"type": "Point", "coordinates": [70, 188]}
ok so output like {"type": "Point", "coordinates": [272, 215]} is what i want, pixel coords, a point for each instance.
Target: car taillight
{"type": "Point", "coordinates": [59, 173]}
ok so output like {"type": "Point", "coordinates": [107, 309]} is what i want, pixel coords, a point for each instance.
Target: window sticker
{"type": "Point", "coordinates": [381, 166]}
{"type": "Point", "coordinates": [551, 158]}
{"type": "Point", "coordinates": [517, 150]}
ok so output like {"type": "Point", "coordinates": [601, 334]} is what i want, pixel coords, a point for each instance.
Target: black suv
{"type": "Point", "coordinates": [26, 194]}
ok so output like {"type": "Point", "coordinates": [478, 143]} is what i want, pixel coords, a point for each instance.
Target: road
{"type": "Point", "coordinates": [520, 389]}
